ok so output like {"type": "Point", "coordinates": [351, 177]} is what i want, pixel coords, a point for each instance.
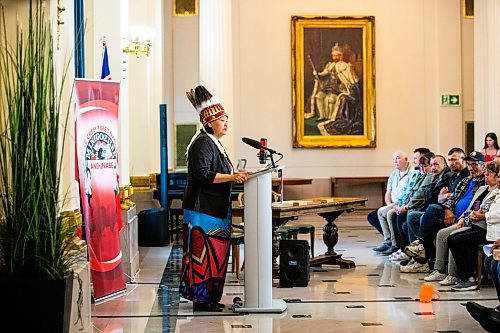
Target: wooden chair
{"type": "Point", "coordinates": [237, 239]}
{"type": "Point", "coordinates": [294, 229]}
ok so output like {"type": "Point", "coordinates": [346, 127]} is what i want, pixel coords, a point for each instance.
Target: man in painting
{"type": "Point", "coordinates": [338, 96]}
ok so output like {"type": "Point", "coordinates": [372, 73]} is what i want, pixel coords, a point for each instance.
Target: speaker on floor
{"type": "Point", "coordinates": [153, 227]}
{"type": "Point", "coordinates": [294, 263]}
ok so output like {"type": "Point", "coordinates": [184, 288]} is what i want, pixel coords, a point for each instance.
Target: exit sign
{"type": "Point", "coordinates": [450, 100]}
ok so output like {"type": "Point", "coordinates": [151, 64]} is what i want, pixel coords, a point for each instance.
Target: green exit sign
{"type": "Point", "coordinates": [450, 100]}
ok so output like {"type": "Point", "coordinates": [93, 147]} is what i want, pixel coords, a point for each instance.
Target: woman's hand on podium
{"type": "Point", "coordinates": [240, 177]}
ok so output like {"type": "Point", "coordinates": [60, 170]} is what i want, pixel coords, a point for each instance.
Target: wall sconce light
{"type": "Point", "coordinates": [138, 47]}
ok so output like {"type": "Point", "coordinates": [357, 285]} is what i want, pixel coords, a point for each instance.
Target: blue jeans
{"type": "Point", "coordinates": [430, 223]}
{"type": "Point", "coordinates": [373, 220]}
{"type": "Point", "coordinates": [397, 225]}
{"type": "Point", "coordinates": [413, 224]}
{"type": "Point", "coordinates": [463, 246]}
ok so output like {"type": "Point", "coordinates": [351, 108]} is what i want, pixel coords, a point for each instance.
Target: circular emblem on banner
{"type": "Point", "coordinates": [100, 147]}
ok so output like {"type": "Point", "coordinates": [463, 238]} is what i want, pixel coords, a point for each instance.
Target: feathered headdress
{"type": "Point", "coordinates": [207, 106]}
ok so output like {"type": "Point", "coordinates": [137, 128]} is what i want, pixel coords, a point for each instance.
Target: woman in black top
{"type": "Point", "coordinates": [207, 207]}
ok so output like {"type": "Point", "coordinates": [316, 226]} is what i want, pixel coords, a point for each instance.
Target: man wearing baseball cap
{"type": "Point", "coordinates": [454, 207]}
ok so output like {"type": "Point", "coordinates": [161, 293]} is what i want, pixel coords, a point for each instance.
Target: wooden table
{"type": "Point", "coordinates": [292, 181]}
{"type": "Point", "coordinates": [327, 207]}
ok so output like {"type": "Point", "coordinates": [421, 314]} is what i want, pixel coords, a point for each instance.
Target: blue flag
{"type": "Point", "coordinates": [105, 73]}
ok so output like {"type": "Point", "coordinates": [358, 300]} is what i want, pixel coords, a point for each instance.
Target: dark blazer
{"type": "Point", "coordinates": [433, 189]}
{"type": "Point", "coordinates": [201, 194]}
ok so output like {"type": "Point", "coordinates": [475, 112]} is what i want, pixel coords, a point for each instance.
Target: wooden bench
{"type": "Point", "coordinates": [352, 181]}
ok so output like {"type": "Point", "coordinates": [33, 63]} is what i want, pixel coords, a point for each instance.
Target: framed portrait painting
{"type": "Point", "coordinates": [333, 81]}
{"type": "Point", "coordinates": [468, 8]}
{"type": "Point", "coordinates": [185, 7]}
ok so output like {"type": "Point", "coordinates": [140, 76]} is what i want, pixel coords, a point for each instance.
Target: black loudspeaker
{"type": "Point", "coordinates": [294, 263]}
{"type": "Point", "coordinates": [153, 227]}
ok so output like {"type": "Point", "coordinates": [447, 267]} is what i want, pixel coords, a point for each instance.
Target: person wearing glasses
{"type": "Point", "coordinates": [441, 191]}
{"type": "Point", "coordinates": [422, 249]}
{"type": "Point", "coordinates": [489, 318]}
{"type": "Point", "coordinates": [415, 200]}
{"type": "Point", "coordinates": [207, 206]}
{"type": "Point", "coordinates": [464, 245]}
{"type": "Point", "coordinates": [472, 218]}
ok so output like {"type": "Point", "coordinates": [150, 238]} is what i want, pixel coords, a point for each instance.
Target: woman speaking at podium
{"type": "Point", "coordinates": [207, 207]}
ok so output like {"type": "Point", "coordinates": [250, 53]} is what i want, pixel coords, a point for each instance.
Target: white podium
{"type": "Point", "coordinates": [258, 245]}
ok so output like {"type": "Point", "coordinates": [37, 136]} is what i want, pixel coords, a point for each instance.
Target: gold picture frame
{"type": "Point", "coordinates": [333, 81]}
{"type": "Point", "coordinates": [468, 8]}
{"type": "Point", "coordinates": [185, 7]}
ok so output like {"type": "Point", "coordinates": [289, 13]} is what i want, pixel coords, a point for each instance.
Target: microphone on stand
{"type": "Point", "coordinates": [262, 151]}
{"type": "Point", "coordinates": [262, 146]}
{"type": "Point", "coordinates": [257, 145]}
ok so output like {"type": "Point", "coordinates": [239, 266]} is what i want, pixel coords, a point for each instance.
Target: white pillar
{"type": "Point", "coordinates": [64, 42]}
{"type": "Point", "coordinates": [216, 59]}
{"type": "Point", "coordinates": [124, 115]}
{"type": "Point", "coordinates": [486, 69]}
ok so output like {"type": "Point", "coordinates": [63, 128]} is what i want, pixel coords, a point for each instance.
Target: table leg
{"type": "Point", "coordinates": [331, 237]}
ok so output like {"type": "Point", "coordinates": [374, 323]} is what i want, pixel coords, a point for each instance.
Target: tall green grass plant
{"type": "Point", "coordinates": [35, 241]}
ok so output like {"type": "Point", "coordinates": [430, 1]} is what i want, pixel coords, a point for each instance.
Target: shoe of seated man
{"type": "Point", "coordinates": [450, 280]}
{"type": "Point", "coordinates": [435, 276]}
{"type": "Point", "coordinates": [416, 267]}
{"type": "Point", "coordinates": [415, 249]}
{"type": "Point", "coordinates": [389, 251]}
{"type": "Point", "coordinates": [382, 247]}
{"type": "Point", "coordinates": [465, 285]}
{"type": "Point", "coordinates": [406, 262]}
{"type": "Point", "coordinates": [398, 256]}
{"type": "Point", "coordinates": [395, 255]}
{"type": "Point", "coordinates": [401, 256]}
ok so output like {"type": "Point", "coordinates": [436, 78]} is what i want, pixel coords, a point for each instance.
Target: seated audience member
{"type": "Point", "coordinates": [441, 179]}
{"type": "Point", "coordinates": [440, 183]}
{"type": "Point", "coordinates": [464, 245]}
{"type": "Point", "coordinates": [493, 217]}
{"type": "Point", "coordinates": [489, 318]}
{"type": "Point", "coordinates": [458, 166]}
{"type": "Point", "coordinates": [485, 195]}
{"type": "Point", "coordinates": [443, 189]}
{"type": "Point", "coordinates": [414, 176]}
{"type": "Point", "coordinates": [413, 200]}
{"type": "Point", "coordinates": [435, 217]}
{"type": "Point", "coordinates": [372, 217]}
{"type": "Point", "coordinates": [397, 182]}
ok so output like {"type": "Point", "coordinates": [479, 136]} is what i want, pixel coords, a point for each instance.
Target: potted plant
{"type": "Point", "coordinates": [36, 243]}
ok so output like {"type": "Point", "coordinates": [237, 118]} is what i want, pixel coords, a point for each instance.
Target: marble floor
{"type": "Point", "coordinates": [373, 297]}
